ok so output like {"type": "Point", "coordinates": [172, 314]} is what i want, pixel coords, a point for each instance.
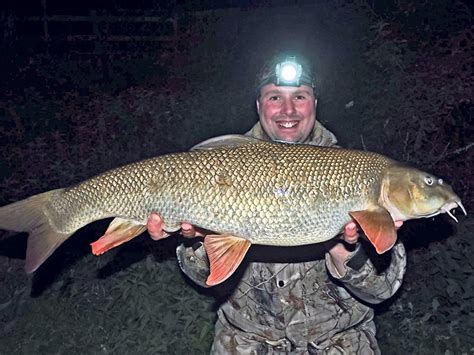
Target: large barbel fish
{"type": "Point", "coordinates": [246, 190]}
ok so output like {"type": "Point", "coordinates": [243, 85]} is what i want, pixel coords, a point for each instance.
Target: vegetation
{"type": "Point", "coordinates": [395, 77]}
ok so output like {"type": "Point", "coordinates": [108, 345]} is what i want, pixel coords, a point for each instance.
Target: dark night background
{"type": "Point", "coordinates": [90, 85]}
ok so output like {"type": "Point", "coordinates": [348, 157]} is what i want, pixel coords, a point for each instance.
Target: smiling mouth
{"type": "Point", "coordinates": [287, 124]}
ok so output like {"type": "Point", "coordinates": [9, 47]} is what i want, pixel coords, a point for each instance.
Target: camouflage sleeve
{"type": "Point", "coordinates": [363, 279]}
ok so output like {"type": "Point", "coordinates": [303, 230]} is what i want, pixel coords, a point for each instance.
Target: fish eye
{"type": "Point", "coordinates": [429, 180]}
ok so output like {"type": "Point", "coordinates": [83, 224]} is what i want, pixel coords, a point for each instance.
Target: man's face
{"type": "Point", "coordinates": [287, 113]}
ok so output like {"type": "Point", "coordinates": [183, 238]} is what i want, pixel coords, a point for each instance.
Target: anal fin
{"type": "Point", "coordinates": [225, 253]}
{"type": "Point", "coordinates": [120, 231]}
{"type": "Point", "coordinates": [378, 226]}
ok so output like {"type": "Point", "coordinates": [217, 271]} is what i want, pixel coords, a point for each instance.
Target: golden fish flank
{"type": "Point", "coordinates": [246, 190]}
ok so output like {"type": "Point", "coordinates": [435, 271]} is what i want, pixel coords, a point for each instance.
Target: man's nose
{"type": "Point", "coordinates": [288, 107]}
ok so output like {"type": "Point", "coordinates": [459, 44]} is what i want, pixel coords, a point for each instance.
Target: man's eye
{"type": "Point", "coordinates": [300, 97]}
{"type": "Point", "coordinates": [273, 98]}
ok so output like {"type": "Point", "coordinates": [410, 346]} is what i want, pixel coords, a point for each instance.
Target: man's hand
{"type": "Point", "coordinates": [155, 228]}
{"type": "Point", "coordinates": [339, 253]}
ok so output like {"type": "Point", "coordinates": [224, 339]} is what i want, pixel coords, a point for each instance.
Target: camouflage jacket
{"type": "Point", "coordinates": [304, 306]}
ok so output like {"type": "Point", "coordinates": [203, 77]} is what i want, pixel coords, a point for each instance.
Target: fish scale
{"type": "Point", "coordinates": [259, 192]}
{"type": "Point", "coordinates": [232, 190]}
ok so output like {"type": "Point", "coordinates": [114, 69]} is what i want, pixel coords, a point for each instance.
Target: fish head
{"type": "Point", "coordinates": [409, 193]}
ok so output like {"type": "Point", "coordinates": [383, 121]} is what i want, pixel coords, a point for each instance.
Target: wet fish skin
{"type": "Point", "coordinates": [260, 192]}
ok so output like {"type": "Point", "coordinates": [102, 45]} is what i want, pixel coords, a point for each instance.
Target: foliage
{"type": "Point", "coordinates": [424, 88]}
{"type": "Point", "coordinates": [387, 83]}
{"type": "Point", "coordinates": [142, 307]}
{"type": "Point", "coordinates": [433, 311]}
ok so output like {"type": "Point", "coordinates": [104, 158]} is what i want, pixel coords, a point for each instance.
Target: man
{"type": "Point", "coordinates": [312, 306]}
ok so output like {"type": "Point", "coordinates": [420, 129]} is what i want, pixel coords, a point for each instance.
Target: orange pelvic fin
{"type": "Point", "coordinates": [378, 226]}
{"type": "Point", "coordinates": [225, 253]}
{"type": "Point", "coordinates": [120, 231]}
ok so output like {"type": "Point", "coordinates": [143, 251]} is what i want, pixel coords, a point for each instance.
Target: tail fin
{"type": "Point", "coordinates": [29, 216]}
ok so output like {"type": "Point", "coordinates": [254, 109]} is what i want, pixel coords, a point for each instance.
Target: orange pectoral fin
{"type": "Point", "coordinates": [120, 231]}
{"type": "Point", "coordinates": [225, 253]}
{"type": "Point", "coordinates": [378, 226]}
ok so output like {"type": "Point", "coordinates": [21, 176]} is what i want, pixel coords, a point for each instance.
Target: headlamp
{"type": "Point", "coordinates": [288, 73]}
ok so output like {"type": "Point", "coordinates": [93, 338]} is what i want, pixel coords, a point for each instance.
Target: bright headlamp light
{"type": "Point", "coordinates": [288, 73]}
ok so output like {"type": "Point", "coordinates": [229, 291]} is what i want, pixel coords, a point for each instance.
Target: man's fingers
{"type": "Point", "coordinates": [350, 234]}
{"type": "Point", "coordinates": [352, 239]}
{"type": "Point", "coordinates": [154, 224]}
{"type": "Point", "coordinates": [159, 236]}
{"type": "Point", "coordinates": [350, 229]}
{"type": "Point", "coordinates": [155, 227]}
{"type": "Point", "coordinates": [398, 224]}
{"type": "Point", "coordinates": [189, 231]}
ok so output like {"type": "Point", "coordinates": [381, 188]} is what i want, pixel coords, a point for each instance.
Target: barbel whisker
{"type": "Point", "coordinates": [451, 215]}
{"type": "Point", "coordinates": [460, 205]}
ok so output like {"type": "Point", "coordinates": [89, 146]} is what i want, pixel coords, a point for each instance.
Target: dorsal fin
{"type": "Point", "coordinates": [228, 140]}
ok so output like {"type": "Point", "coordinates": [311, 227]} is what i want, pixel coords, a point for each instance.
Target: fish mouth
{"type": "Point", "coordinates": [447, 207]}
